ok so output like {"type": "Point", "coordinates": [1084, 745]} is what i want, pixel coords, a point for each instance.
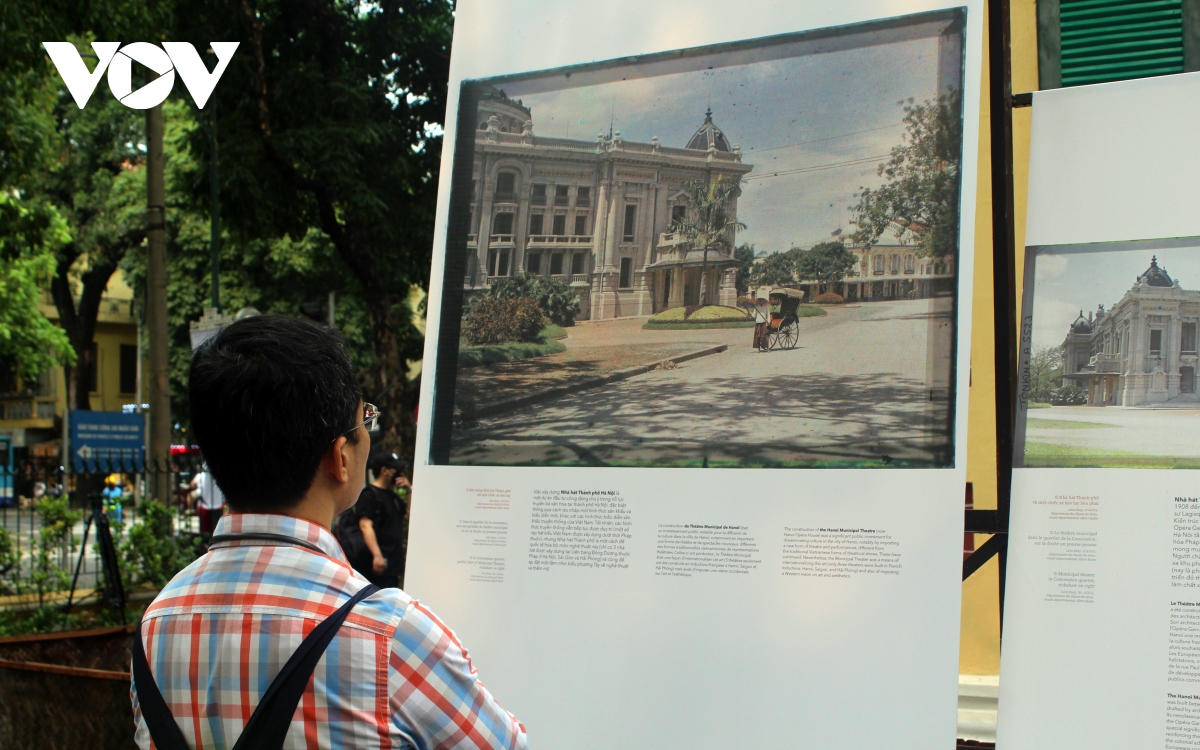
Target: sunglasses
{"type": "Point", "coordinates": [370, 419]}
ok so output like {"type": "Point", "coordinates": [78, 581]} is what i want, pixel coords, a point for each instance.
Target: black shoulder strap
{"type": "Point", "coordinates": [269, 724]}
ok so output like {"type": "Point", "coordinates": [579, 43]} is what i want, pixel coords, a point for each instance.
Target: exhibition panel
{"type": "Point", "coordinates": [1100, 640]}
{"type": "Point", "coordinates": [697, 366]}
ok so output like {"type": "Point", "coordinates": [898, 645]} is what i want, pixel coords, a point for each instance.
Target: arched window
{"type": "Point", "coordinates": [894, 263]}
{"type": "Point", "coordinates": [506, 186]}
{"type": "Point", "coordinates": [879, 264]}
{"type": "Point", "coordinates": [910, 263]}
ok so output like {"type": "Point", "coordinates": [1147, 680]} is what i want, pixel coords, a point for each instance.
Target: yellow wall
{"type": "Point", "coordinates": [980, 650]}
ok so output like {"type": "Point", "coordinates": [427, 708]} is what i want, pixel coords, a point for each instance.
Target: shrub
{"type": "Point", "coordinates": [674, 315]}
{"type": "Point", "coordinates": [829, 298]}
{"type": "Point", "coordinates": [1068, 395]}
{"type": "Point", "coordinates": [152, 552]}
{"type": "Point", "coordinates": [492, 320]}
{"type": "Point", "coordinates": [53, 538]}
{"type": "Point", "coordinates": [718, 313]}
{"type": "Point", "coordinates": [554, 296]}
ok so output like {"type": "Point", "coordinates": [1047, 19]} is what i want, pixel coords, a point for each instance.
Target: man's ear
{"type": "Point", "coordinates": [339, 460]}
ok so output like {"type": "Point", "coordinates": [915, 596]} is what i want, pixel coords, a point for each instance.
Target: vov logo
{"type": "Point", "coordinates": [118, 60]}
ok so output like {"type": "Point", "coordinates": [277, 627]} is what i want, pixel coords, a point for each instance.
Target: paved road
{"type": "Point", "coordinates": [854, 388]}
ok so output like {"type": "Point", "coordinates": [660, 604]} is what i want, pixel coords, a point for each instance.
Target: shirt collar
{"type": "Point", "coordinates": [297, 528]}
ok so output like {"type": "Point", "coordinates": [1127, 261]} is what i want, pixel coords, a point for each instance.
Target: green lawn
{"type": "Point", "coordinates": [1038, 405]}
{"type": "Point", "coordinates": [1066, 456]}
{"type": "Point", "coordinates": [547, 343]}
{"type": "Point", "coordinates": [1064, 424]}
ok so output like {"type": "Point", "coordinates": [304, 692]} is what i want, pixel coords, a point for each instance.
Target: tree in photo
{"type": "Point", "coordinates": [826, 263]}
{"type": "Point", "coordinates": [745, 258]}
{"type": "Point", "coordinates": [708, 225]}
{"type": "Point", "coordinates": [776, 269]}
{"type": "Point", "coordinates": [1045, 372]}
{"type": "Point", "coordinates": [919, 198]}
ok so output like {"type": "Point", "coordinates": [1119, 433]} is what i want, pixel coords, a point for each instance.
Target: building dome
{"type": "Point", "coordinates": [1155, 276]}
{"type": "Point", "coordinates": [1081, 324]}
{"type": "Point", "coordinates": [709, 135]}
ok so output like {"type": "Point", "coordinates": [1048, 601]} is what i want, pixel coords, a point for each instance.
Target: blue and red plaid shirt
{"type": "Point", "coordinates": [393, 677]}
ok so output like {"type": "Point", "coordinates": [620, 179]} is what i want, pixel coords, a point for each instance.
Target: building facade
{"type": "Point", "coordinates": [1143, 350]}
{"type": "Point", "coordinates": [596, 214]}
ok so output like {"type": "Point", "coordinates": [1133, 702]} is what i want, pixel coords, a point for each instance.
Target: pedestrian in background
{"type": "Point", "coordinates": [383, 520]}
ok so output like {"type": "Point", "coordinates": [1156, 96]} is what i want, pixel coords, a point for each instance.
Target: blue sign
{"type": "Point", "coordinates": [106, 441]}
{"type": "Point", "coordinates": [6, 472]}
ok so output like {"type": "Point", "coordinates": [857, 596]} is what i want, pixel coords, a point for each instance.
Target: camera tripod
{"type": "Point", "coordinates": [114, 591]}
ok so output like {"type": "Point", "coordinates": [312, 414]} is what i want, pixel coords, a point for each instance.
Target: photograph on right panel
{"type": "Point", "coordinates": [1109, 356]}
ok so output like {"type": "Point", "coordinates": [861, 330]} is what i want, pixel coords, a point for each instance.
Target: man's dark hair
{"type": "Point", "coordinates": [268, 395]}
{"type": "Point", "coordinates": [386, 460]}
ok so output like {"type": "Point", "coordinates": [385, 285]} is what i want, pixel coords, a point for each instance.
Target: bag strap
{"type": "Point", "coordinates": [269, 724]}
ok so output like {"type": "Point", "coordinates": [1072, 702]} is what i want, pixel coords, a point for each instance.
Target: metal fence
{"type": "Point", "coordinates": [34, 480]}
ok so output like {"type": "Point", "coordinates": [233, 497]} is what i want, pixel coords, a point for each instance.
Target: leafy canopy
{"type": "Point", "coordinates": [919, 199]}
{"type": "Point", "coordinates": [826, 262]}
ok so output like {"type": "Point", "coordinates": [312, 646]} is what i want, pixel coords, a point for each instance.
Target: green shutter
{"type": "Point", "coordinates": [1114, 40]}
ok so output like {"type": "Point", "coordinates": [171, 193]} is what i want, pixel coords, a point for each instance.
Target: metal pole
{"type": "Point", "coordinates": [215, 214]}
{"type": "Point", "coordinates": [156, 306]}
{"type": "Point", "coordinates": [332, 315]}
{"type": "Point", "coordinates": [1003, 259]}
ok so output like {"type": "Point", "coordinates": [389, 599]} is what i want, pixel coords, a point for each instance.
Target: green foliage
{"type": "Point", "coordinates": [745, 258]}
{"type": "Point", "coordinates": [493, 320]}
{"type": "Point", "coordinates": [1044, 373]}
{"type": "Point", "coordinates": [1068, 395]}
{"type": "Point", "coordinates": [152, 552]}
{"type": "Point", "coordinates": [708, 225]}
{"type": "Point", "coordinates": [696, 316]}
{"type": "Point", "coordinates": [829, 298]}
{"type": "Point", "coordinates": [9, 582]}
{"type": "Point", "coordinates": [777, 269]}
{"type": "Point", "coordinates": [809, 311]}
{"type": "Point", "coordinates": [919, 199]}
{"type": "Point", "coordinates": [53, 539]}
{"type": "Point", "coordinates": [826, 262]}
{"type": "Point", "coordinates": [30, 233]}
{"type": "Point", "coordinates": [547, 343]}
{"type": "Point", "coordinates": [47, 618]}
{"type": "Point", "coordinates": [557, 300]}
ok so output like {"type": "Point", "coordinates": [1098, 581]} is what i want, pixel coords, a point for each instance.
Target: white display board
{"type": "Point", "coordinates": [660, 537]}
{"type": "Point", "coordinates": [1102, 607]}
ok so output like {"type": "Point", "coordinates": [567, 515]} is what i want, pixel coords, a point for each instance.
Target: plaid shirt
{"type": "Point", "coordinates": [393, 677]}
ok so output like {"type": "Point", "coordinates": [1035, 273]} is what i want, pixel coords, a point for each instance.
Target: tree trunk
{"type": "Point", "coordinates": [704, 279]}
{"type": "Point", "coordinates": [388, 386]}
{"type": "Point", "coordinates": [156, 309]}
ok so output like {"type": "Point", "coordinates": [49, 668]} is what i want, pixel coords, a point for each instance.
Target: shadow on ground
{"type": "Point", "coordinates": [809, 420]}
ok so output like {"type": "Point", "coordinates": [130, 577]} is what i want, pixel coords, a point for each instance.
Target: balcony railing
{"type": "Point", "coordinates": [472, 239]}
{"type": "Point", "coordinates": [562, 200]}
{"type": "Point", "coordinates": [27, 408]}
{"type": "Point", "coordinates": [1105, 362]}
{"type": "Point", "coordinates": [537, 200]}
{"type": "Point", "coordinates": [500, 239]}
{"type": "Point", "coordinates": [505, 198]}
{"type": "Point", "coordinates": [560, 239]}
{"type": "Point", "coordinates": [579, 278]}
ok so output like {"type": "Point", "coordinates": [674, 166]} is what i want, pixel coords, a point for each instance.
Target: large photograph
{"type": "Point", "coordinates": [1110, 356]}
{"type": "Point", "coordinates": [738, 256]}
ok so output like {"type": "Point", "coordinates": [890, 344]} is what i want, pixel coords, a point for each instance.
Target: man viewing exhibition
{"type": "Point", "coordinates": [271, 634]}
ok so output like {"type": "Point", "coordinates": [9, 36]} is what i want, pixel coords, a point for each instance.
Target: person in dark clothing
{"type": "Point", "coordinates": [381, 518]}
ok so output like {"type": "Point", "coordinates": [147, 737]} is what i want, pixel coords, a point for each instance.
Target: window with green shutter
{"type": "Point", "coordinates": [1114, 40]}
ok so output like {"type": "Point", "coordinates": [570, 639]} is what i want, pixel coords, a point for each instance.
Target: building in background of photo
{"type": "Point", "coordinates": [597, 214]}
{"type": "Point", "coordinates": [1143, 350]}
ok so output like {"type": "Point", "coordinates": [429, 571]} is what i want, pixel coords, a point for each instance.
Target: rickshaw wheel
{"type": "Point", "coordinates": [789, 335]}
